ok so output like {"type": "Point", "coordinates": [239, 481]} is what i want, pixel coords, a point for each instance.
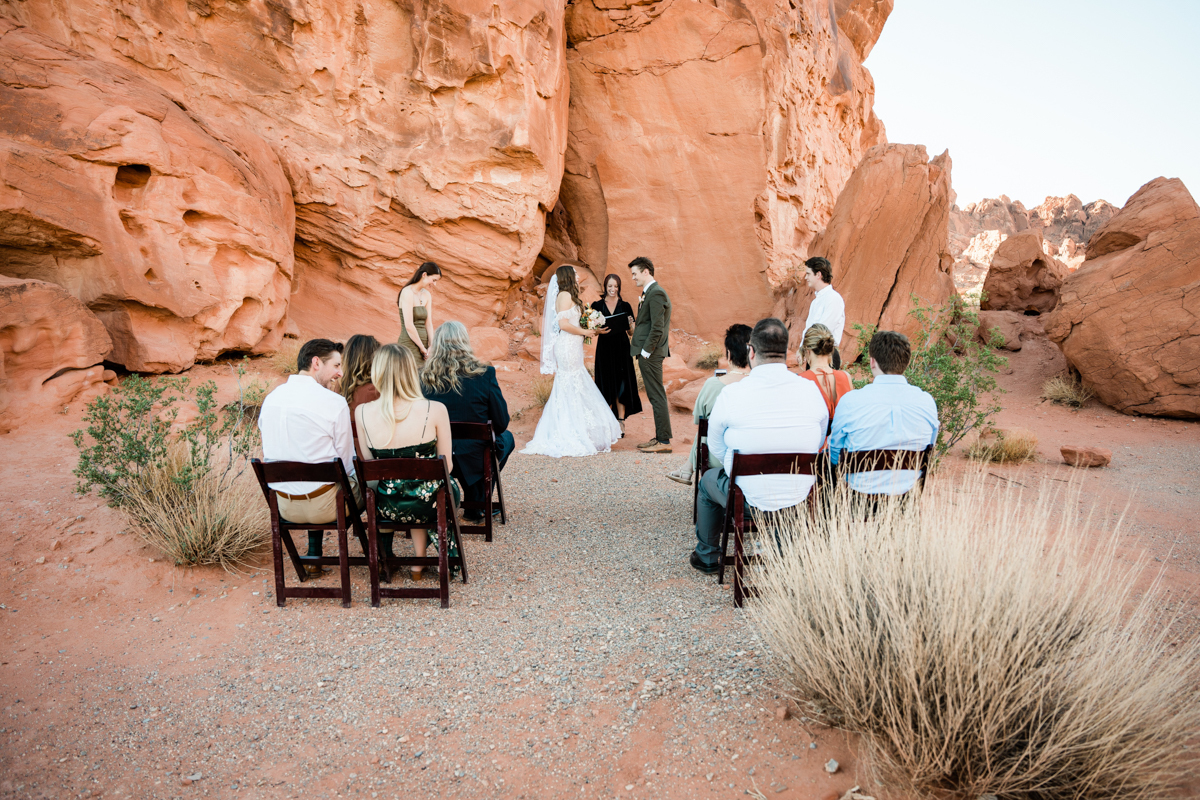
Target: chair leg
{"type": "Point", "coordinates": [499, 490]}
{"type": "Point", "coordinates": [373, 564]}
{"type": "Point", "coordinates": [343, 553]}
{"type": "Point", "coordinates": [724, 539]}
{"type": "Point", "coordinates": [277, 557]}
{"type": "Point", "coordinates": [294, 556]}
{"type": "Point", "coordinates": [738, 563]}
{"type": "Point", "coordinates": [487, 509]}
{"type": "Point", "coordinates": [462, 554]}
{"type": "Point", "coordinates": [443, 550]}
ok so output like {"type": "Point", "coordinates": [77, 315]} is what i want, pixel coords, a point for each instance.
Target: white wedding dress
{"type": "Point", "coordinates": [576, 420]}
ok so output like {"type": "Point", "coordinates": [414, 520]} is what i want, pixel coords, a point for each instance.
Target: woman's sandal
{"type": "Point", "coordinates": [621, 422]}
{"type": "Point", "coordinates": [682, 475]}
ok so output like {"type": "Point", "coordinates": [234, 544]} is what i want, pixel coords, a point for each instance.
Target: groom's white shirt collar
{"type": "Point", "coordinates": [647, 286]}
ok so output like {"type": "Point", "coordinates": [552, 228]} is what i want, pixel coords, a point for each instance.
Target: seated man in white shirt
{"type": "Point", "coordinates": [886, 414]}
{"type": "Point", "coordinates": [771, 410]}
{"type": "Point", "coordinates": [304, 420]}
{"type": "Point", "coordinates": [828, 308]}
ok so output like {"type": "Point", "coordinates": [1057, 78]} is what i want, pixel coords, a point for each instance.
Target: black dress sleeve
{"type": "Point", "coordinates": [497, 407]}
{"type": "Point", "coordinates": [626, 322]}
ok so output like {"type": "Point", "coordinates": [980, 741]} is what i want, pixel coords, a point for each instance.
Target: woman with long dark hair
{"type": "Point", "coordinates": [576, 420]}
{"type": "Point", "coordinates": [615, 377]}
{"type": "Point", "coordinates": [415, 302]}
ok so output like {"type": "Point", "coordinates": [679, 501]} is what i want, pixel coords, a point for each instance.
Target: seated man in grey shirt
{"type": "Point", "coordinates": [771, 410]}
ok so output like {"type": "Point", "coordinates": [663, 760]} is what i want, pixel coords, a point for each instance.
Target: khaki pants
{"type": "Point", "coordinates": [316, 510]}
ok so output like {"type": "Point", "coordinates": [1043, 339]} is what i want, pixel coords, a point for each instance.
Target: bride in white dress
{"type": "Point", "coordinates": [576, 420]}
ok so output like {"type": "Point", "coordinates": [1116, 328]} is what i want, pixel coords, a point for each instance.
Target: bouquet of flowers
{"type": "Point", "coordinates": [590, 319]}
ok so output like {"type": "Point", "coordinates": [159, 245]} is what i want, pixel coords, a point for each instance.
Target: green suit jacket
{"type": "Point", "coordinates": [653, 323]}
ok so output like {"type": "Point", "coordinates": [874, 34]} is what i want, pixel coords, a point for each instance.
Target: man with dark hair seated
{"type": "Point", "coordinates": [305, 420]}
{"type": "Point", "coordinates": [771, 410]}
{"type": "Point", "coordinates": [886, 414]}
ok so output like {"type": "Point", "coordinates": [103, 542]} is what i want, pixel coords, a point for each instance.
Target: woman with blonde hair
{"type": "Point", "coordinates": [817, 350]}
{"type": "Point", "coordinates": [469, 390]}
{"type": "Point", "coordinates": [403, 424]}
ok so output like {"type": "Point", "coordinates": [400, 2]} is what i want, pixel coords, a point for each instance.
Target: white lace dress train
{"type": "Point", "coordinates": [576, 420]}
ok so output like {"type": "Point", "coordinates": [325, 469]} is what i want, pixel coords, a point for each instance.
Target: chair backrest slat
{"type": "Point", "coordinates": [287, 471]}
{"type": "Point", "coordinates": [883, 460]}
{"type": "Point", "coordinates": [745, 464]}
{"type": "Point", "coordinates": [420, 469]}
{"type": "Point", "coordinates": [481, 431]}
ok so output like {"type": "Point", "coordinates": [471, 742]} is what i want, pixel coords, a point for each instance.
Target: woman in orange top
{"type": "Point", "coordinates": [817, 351]}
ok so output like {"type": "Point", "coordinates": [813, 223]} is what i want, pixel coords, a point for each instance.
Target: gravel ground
{"type": "Point", "coordinates": [584, 659]}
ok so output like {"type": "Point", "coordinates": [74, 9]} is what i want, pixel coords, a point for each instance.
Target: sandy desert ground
{"type": "Point", "coordinates": [584, 658]}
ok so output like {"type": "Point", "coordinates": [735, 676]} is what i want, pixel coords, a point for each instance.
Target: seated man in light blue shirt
{"type": "Point", "coordinates": [771, 410]}
{"type": "Point", "coordinates": [886, 414]}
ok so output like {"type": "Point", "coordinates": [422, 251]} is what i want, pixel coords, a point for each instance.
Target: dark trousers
{"type": "Point", "coordinates": [477, 492]}
{"type": "Point", "coordinates": [657, 395]}
{"type": "Point", "coordinates": [714, 494]}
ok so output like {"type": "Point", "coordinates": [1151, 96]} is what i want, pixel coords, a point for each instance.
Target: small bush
{"type": "Point", "coordinates": [205, 519]}
{"type": "Point", "coordinates": [709, 358]}
{"type": "Point", "coordinates": [1066, 390]}
{"type": "Point", "coordinates": [284, 359]}
{"type": "Point", "coordinates": [183, 491]}
{"type": "Point", "coordinates": [1004, 447]}
{"type": "Point", "coordinates": [979, 648]}
{"type": "Point", "coordinates": [958, 371]}
{"type": "Point", "coordinates": [542, 386]}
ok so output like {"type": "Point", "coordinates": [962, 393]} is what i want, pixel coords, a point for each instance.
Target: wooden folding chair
{"type": "Point", "coordinates": [420, 469]}
{"type": "Point", "coordinates": [851, 462]}
{"type": "Point", "coordinates": [483, 432]}
{"type": "Point", "coordinates": [735, 507]}
{"type": "Point", "coordinates": [701, 465]}
{"type": "Point", "coordinates": [334, 472]}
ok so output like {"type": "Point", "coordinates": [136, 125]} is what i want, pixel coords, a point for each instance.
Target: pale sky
{"type": "Point", "coordinates": [1091, 97]}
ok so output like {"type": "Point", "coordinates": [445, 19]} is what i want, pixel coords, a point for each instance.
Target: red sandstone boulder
{"type": "Point", "coordinates": [1129, 319]}
{"type": "Point", "coordinates": [51, 349]}
{"type": "Point", "coordinates": [887, 240]}
{"type": "Point", "coordinates": [489, 344]}
{"type": "Point", "coordinates": [676, 373]}
{"type": "Point", "coordinates": [1084, 456]}
{"type": "Point", "coordinates": [712, 138]}
{"type": "Point", "coordinates": [177, 234]}
{"type": "Point", "coordinates": [409, 131]}
{"type": "Point", "coordinates": [684, 399]}
{"type": "Point", "coordinates": [1022, 277]}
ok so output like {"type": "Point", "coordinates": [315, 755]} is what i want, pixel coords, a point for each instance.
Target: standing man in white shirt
{"type": "Point", "coordinates": [305, 420]}
{"type": "Point", "coordinates": [771, 410]}
{"type": "Point", "coordinates": [828, 307]}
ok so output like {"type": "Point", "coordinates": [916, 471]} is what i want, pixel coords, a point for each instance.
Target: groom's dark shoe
{"type": "Point", "coordinates": [707, 569]}
{"type": "Point", "coordinates": [655, 446]}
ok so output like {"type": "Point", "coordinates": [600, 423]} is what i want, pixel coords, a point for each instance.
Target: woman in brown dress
{"type": "Point", "coordinates": [416, 310]}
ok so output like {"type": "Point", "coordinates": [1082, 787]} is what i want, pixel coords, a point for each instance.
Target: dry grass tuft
{"type": "Point", "coordinates": [979, 647]}
{"type": "Point", "coordinates": [709, 358]}
{"type": "Point", "coordinates": [542, 386]}
{"type": "Point", "coordinates": [284, 359]}
{"type": "Point", "coordinates": [1066, 390]}
{"type": "Point", "coordinates": [221, 521]}
{"type": "Point", "coordinates": [1005, 447]}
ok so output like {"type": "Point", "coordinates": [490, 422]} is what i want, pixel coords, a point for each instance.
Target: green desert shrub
{"type": "Point", "coordinates": [947, 361]}
{"type": "Point", "coordinates": [186, 491]}
{"type": "Point", "coordinates": [1066, 390]}
{"type": "Point", "coordinates": [981, 643]}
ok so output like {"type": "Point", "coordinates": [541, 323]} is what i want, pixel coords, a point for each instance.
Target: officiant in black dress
{"type": "Point", "coordinates": [615, 377]}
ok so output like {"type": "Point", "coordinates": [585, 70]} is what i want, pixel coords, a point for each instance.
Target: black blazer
{"type": "Point", "coordinates": [478, 399]}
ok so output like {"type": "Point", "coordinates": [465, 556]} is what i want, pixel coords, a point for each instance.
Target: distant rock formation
{"type": "Point", "coordinates": [1129, 319]}
{"type": "Point", "coordinates": [1065, 223]}
{"type": "Point", "coordinates": [887, 241]}
{"type": "Point", "coordinates": [51, 349]}
{"type": "Point", "coordinates": [176, 233]}
{"type": "Point", "coordinates": [1022, 277]}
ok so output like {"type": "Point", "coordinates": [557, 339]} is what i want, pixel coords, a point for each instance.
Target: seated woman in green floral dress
{"type": "Point", "coordinates": [403, 424]}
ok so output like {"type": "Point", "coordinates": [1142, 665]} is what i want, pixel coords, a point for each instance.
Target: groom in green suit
{"type": "Point", "coordinates": [649, 347]}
